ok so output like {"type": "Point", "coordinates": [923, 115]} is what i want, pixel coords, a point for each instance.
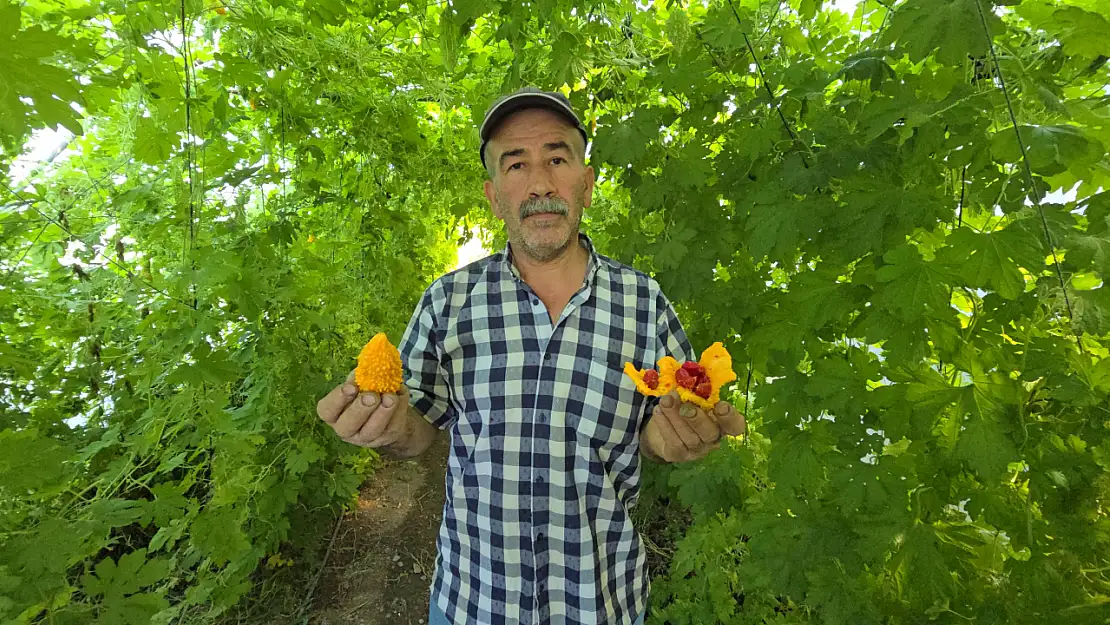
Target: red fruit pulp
{"type": "Point", "coordinates": [651, 378]}
{"type": "Point", "coordinates": [684, 378]}
{"type": "Point", "coordinates": [704, 389]}
{"type": "Point", "coordinates": [693, 368]}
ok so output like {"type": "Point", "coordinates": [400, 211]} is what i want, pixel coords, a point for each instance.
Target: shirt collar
{"type": "Point", "coordinates": [592, 263]}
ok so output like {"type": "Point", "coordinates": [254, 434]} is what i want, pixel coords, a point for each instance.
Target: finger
{"type": "Point", "coordinates": [398, 429]}
{"type": "Point", "coordinates": [731, 421]}
{"type": "Point", "coordinates": [669, 403]}
{"type": "Point", "coordinates": [355, 416]}
{"type": "Point", "coordinates": [700, 422]}
{"type": "Point", "coordinates": [685, 434]}
{"type": "Point", "coordinates": [380, 421]}
{"type": "Point", "coordinates": [675, 436]}
{"type": "Point", "coordinates": [668, 445]}
{"type": "Point", "coordinates": [334, 403]}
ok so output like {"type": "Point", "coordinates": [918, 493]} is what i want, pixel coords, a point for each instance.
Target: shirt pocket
{"type": "Point", "coordinates": [610, 406]}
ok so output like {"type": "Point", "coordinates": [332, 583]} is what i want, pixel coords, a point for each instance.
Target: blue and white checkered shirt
{"type": "Point", "coordinates": [544, 463]}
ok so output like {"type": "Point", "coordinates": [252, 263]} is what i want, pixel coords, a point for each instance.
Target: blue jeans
{"type": "Point", "coordinates": [437, 617]}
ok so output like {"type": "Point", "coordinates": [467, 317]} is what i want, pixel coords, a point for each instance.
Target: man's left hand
{"type": "Point", "coordinates": [679, 431]}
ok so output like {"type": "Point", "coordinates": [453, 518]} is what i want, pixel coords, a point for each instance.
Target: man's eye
{"type": "Point", "coordinates": [558, 160]}
{"type": "Point", "coordinates": [515, 166]}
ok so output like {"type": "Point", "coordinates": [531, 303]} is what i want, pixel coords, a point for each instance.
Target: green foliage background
{"type": "Point", "coordinates": [920, 327]}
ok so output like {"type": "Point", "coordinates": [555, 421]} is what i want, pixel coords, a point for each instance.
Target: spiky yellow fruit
{"type": "Point", "coordinates": [379, 366]}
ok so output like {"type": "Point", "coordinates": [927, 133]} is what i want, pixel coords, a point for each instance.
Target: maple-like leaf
{"type": "Point", "coordinates": [920, 567]}
{"type": "Point", "coordinates": [950, 29]}
{"type": "Point", "coordinates": [991, 260]}
{"type": "Point", "coordinates": [1092, 310]}
{"type": "Point", "coordinates": [218, 535]}
{"type": "Point", "coordinates": [910, 284]}
{"type": "Point", "coordinates": [986, 447]}
{"type": "Point", "coordinates": [32, 464]}
{"type": "Point", "coordinates": [794, 462]}
{"type": "Point", "coordinates": [1051, 149]}
{"type": "Point", "coordinates": [131, 573]}
{"type": "Point", "coordinates": [870, 66]}
{"type": "Point", "coordinates": [625, 141]}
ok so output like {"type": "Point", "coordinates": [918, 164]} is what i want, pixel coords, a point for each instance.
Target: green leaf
{"type": "Point", "coordinates": [31, 465]}
{"type": "Point", "coordinates": [991, 260]}
{"type": "Point", "coordinates": [870, 66]}
{"type": "Point", "coordinates": [116, 512]}
{"type": "Point", "coordinates": [624, 142]}
{"type": "Point", "coordinates": [169, 504]}
{"type": "Point", "coordinates": [911, 285]}
{"type": "Point", "coordinates": [1092, 310]}
{"type": "Point", "coordinates": [109, 439]}
{"type": "Point", "coordinates": [564, 63]}
{"type": "Point", "coordinates": [1082, 32]}
{"type": "Point", "coordinates": [152, 143]}
{"type": "Point", "coordinates": [952, 29]}
{"type": "Point", "coordinates": [896, 449]}
{"type": "Point", "coordinates": [794, 463]}
{"type": "Point", "coordinates": [9, 19]}
{"type": "Point", "coordinates": [986, 448]}
{"type": "Point", "coordinates": [722, 30]}
{"type": "Point", "coordinates": [139, 608]}
{"type": "Point", "coordinates": [217, 534]}
{"type": "Point", "coordinates": [808, 8]}
{"type": "Point", "coordinates": [922, 572]}
{"type": "Point", "coordinates": [672, 252]}
{"type": "Point", "coordinates": [1051, 149]}
{"type": "Point", "coordinates": [131, 573]}
{"type": "Point", "coordinates": [299, 460]}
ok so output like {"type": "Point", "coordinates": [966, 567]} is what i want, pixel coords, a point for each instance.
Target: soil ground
{"type": "Point", "coordinates": [383, 556]}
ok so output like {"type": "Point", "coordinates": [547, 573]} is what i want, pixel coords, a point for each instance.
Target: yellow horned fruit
{"type": "Point", "coordinates": [379, 366]}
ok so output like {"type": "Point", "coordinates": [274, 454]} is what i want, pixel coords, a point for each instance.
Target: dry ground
{"type": "Point", "coordinates": [383, 556]}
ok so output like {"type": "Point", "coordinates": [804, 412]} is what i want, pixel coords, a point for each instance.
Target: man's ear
{"type": "Point", "coordinates": [588, 193]}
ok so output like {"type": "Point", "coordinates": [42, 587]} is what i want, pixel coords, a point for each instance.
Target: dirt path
{"type": "Point", "coordinates": [382, 561]}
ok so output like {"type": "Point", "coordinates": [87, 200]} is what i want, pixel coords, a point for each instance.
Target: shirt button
{"type": "Point", "coordinates": [535, 302]}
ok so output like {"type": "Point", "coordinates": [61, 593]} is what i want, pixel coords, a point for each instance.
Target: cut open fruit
{"type": "Point", "coordinates": [697, 382]}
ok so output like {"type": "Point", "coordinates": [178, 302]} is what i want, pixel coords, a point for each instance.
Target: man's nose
{"type": "Point", "coordinates": [542, 185]}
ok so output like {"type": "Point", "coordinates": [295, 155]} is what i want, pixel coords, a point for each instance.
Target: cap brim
{"type": "Point", "coordinates": [521, 101]}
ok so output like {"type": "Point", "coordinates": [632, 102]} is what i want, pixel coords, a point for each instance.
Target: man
{"type": "Point", "coordinates": [520, 356]}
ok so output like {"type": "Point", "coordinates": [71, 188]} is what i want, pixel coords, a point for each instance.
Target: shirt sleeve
{"type": "Point", "coordinates": [670, 340]}
{"type": "Point", "coordinates": [423, 372]}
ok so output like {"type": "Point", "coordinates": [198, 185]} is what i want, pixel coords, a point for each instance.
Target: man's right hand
{"type": "Point", "coordinates": [367, 419]}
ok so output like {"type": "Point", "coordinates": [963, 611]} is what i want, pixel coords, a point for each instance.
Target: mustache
{"type": "Point", "coordinates": [543, 205]}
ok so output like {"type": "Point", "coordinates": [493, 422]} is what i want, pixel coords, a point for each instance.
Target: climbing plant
{"type": "Point", "coordinates": [894, 215]}
{"type": "Point", "coordinates": [897, 220]}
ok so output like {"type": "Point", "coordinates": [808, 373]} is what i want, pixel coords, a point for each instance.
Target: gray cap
{"type": "Point", "coordinates": [526, 98]}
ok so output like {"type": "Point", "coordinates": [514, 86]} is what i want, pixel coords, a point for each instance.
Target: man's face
{"type": "Point", "coordinates": [540, 186]}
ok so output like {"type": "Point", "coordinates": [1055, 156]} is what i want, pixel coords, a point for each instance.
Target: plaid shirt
{"type": "Point", "coordinates": [544, 462]}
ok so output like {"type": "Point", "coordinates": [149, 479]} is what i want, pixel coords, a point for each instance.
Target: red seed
{"type": "Point", "coordinates": [684, 378]}
{"type": "Point", "coordinates": [693, 368]}
{"type": "Point", "coordinates": [651, 378]}
{"type": "Point", "coordinates": [704, 390]}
